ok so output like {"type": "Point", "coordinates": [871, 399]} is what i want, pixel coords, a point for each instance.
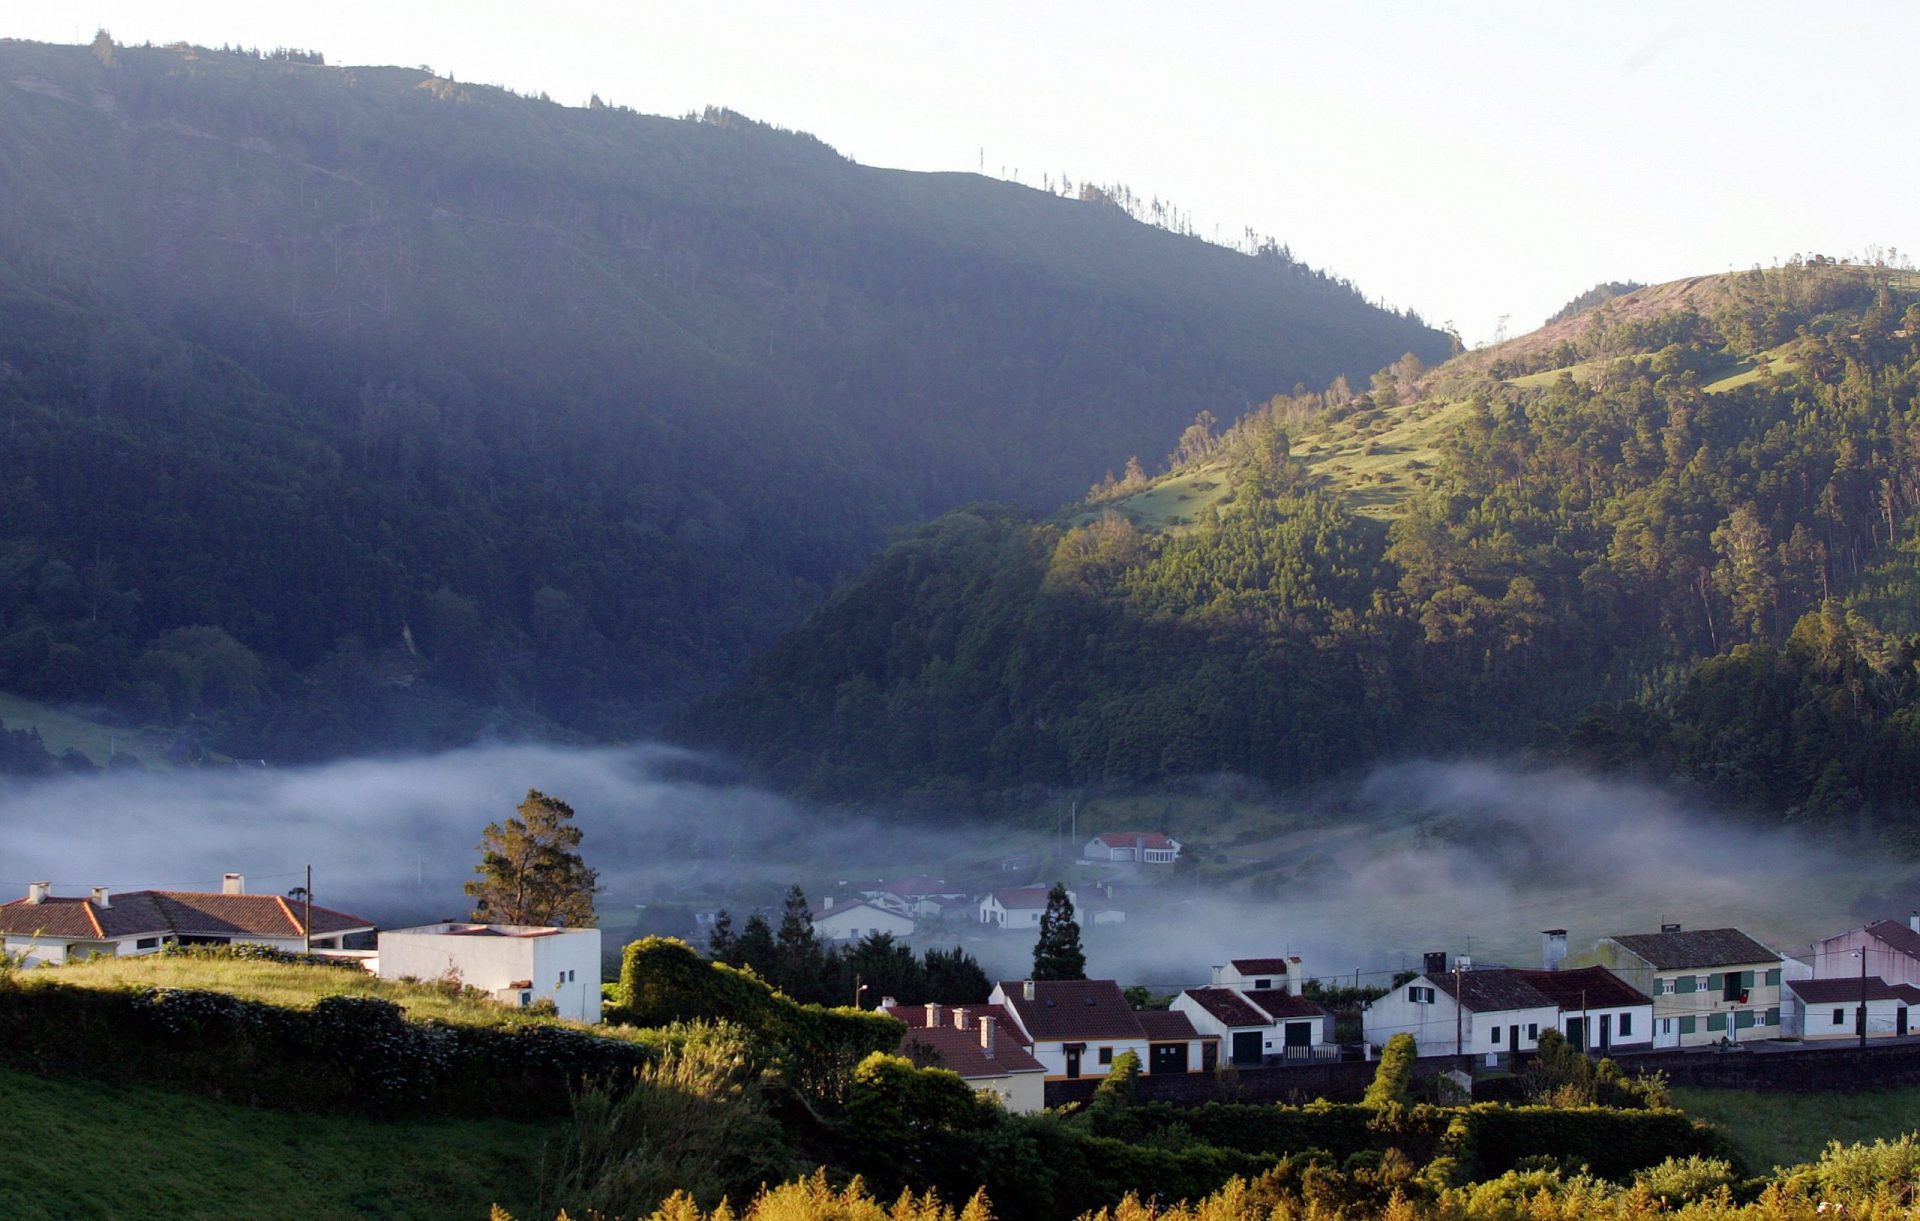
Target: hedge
{"type": "Point", "coordinates": [346, 1053]}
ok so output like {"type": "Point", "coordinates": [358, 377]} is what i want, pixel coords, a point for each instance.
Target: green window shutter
{"type": "Point", "coordinates": [1743, 1019]}
{"type": "Point", "coordinates": [1716, 1021]}
{"type": "Point", "coordinates": [1689, 1025]}
{"type": "Point", "coordinates": [1773, 1015]}
{"type": "Point", "coordinates": [1746, 979]}
{"type": "Point", "coordinates": [1773, 978]}
{"type": "Point", "coordinates": [1716, 981]}
{"type": "Point", "coordinates": [1686, 984]}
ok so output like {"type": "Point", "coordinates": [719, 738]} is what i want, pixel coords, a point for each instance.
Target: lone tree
{"type": "Point", "coordinates": [1057, 955]}
{"type": "Point", "coordinates": [530, 868]}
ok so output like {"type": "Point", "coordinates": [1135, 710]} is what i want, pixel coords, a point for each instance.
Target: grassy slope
{"type": "Point", "coordinates": [81, 1149]}
{"type": "Point", "coordinates": [289, 984]}
{"type": "Point", "coordinates": [1787, 1129]}
{"type": "Point", "coordinates": [63, 731]}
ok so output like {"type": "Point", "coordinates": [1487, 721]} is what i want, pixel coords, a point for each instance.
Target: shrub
{"type": "Point", "coordinates": [1395, 1074]}
{"type": "Point", "coordinates": [1685, 1178]}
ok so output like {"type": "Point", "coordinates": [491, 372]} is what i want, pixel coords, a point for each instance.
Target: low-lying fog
{"type": "Point", "coordinates": [1455, 856]}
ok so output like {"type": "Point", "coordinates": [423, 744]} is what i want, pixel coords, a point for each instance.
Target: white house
{"type": "Point", "coordinates": [1261, 974]}
{"type": "Point", "coordinates": [1831, 1008]}
{"type": "Point", "coordinates": [977, 1042]}
{"type": "Point", "coordinates": [1708, 984]}
{"type": "Point", "coordinates": [1144, 847]}
{"type": "Point", "coordinates": [47, 928]}
{"type": "Point", "coordinates": [923, 897]}
{"type": "Point", "coordinates": [514, 963]}
{"type": "Point", "coordinates": [1497, 1012]}
{"type": "Point", "coordinates": [852, 921]}
{"type": "Point", "coordinates": [1599, 1012]}
{"type": "Point", "coordinates": [1253, 1026]}
{"type": "Point", "coordinates": [1019, 907]}
{"type": "Point", "coordinates": [1892, 948]}
{"type": "Point", "coordinates": [1076, 1028]}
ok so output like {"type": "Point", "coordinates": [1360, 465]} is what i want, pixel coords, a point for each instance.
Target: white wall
{"type": "Point", "coordinates": [853, 923]}
{"type": "Point", "coordinates": [564, 966]}
{"type": "Point", "coordinates": [1432, 1025]}
{"type": "Point", "coordinates": [1641, 1017]}
{"type": "Point", "coordinates": [1816, 1021]}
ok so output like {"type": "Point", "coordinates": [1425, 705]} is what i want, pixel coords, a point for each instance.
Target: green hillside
{"type": "Point", "coordinates": [1466, 557]}
{"type": "Point", "coordinates": [356, 408]}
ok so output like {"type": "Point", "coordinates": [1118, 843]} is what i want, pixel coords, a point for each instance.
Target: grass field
{"type": "Point", "coordinates": [63, 731]}
{"type": "Point", "coordinates": [291, 985]}
{"type": "Point", "coordinates": [1787, 1129]}
{"type": "Point", "coordinates": [82, 1149]}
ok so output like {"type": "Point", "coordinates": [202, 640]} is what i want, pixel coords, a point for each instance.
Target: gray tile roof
{"type": "Point", "coordinates": [1700, 947]}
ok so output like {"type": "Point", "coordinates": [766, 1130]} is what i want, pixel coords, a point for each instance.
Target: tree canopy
{"type": "Point", "coordinates": [531, 871]}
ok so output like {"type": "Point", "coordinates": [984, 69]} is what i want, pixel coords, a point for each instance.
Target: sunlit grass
{"type": "Point", "coordinates": [1787, 1129]}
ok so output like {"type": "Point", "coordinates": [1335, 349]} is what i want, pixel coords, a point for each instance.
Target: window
{"type": "Point", "coordinates": [1839, 1016]}
{"type": "Point", "coordinates": [1772, 1018]}
{"type": "Point", "coordinates": [1106, 1055]}
{"type": "Point", "coordinates": [147, 943]}
{"type": "Point", "coordinates": [1743, 1018]}
{"type": "Point", "coordinates": [1419, 995]}
{"type": "Point", "coordinates": [1626, 1024]}
{"type": "Point", "coordinates": [1263, 983]}
{"type": "Point", "coordinates": [526, 998]}
{"type": "Point", "coordinates": [1666, 987]}
{"type": "Point", "coordinates": [1687, 983]}
{"type": "Point", "coordinates": [1773, 978]}
{"type": "Point", "coordinates": [1496, 1036]}
{"type": "Point", "coordinates": [1533, 1031]}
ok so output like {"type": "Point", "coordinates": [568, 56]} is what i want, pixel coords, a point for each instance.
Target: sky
{"type": "Point", "coordinates": [1480, 163]}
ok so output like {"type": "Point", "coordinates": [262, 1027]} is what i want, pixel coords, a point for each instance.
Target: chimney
{"type": "Point", "coordinates": [933, 1014]}
{"type": "Point", "coordinates": [1913, 921]}
{"type": "Point", "coordinates": [100, 897]}
{"type": "Point", "coordinates": [37, 891]}
{"type": "Point", "coordinates": [887, 1002]}
{"type": "Point", "coordinates": [1296, 976]}
{"type": "Point", "coordinates": [1219, 969]}
{"type": "Point", "coordinates": [1553, 948]}
{"type": "Point", "coordinates": [1434, 962]}
{"type": "Point", "coordinates": [1026, 990]}
{"type": "Point", "coordinates": [1463, 963]}
{"type": "Point", "coordinates": [826, 904]}
{"type": "Point", "coordinates": [1669, 928]}
{"type": "Point", "coordinates": [986, 1036]}
{"type": "Point", "coordinates": [233, 883]}
{"type": "Point", "coordinates": [959, 1017]}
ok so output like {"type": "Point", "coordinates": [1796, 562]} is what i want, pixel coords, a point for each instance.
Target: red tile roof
{"type": "Point", "coordinates": [1896, 936]}
{"type": "Point", "coordinates": [1127, 839]}
{"type": "Point", "coordinates": [1229, 1007]}
{"type": "Point", "coordinates": [960, 1051]}
{"type": "Point", "coordinates": [1284, 1005]}
{"type": "Point", "coordinates": [915, 1016]}
{"type": "Point", "coordinates": [1166, 1026]}
{"type": "Point", "coordinates": [1073, 1009]}
{"type": "Point", "coordinates": [1259, 966]}
{"type": "Point", "coordinates": [1493, 990]}
{"type": "Point", "coordinates": [175, 912]}
{"type": "Point", "coordinates": [1593, 987]}
{"type": "Point", "coordinates": [1843, 990]}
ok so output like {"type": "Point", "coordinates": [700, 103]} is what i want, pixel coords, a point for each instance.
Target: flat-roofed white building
{"type": "Point", "coordinates": [515, 963]}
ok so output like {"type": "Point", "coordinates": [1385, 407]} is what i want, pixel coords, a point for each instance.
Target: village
{"type": "Point", "coordinates": [1266, 1018]}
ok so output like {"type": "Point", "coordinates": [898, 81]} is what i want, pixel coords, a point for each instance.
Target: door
{"type": "Point", "coordinates": [1073, 1059]}
{"type": "Point", "coordinates": [1246, 1047]}
{"type": "Point", "coordinates": [1166, 1057]}
{"type": "Point", "coordinates": [1577, 1032]}
{"type": "Point", "coordinates": [1665, 1034]}
{"type": "Point", "coordinates": [1513, 1038]}
{"type": "Point", "coordinates": [1900, 1022]}
{"type": "Point", "coordinates": [1299, 1040]}
{"type": "Point", "coordinates": [1209, 1055]}
{"type": "Point", "coordinates": [1606, 1033]}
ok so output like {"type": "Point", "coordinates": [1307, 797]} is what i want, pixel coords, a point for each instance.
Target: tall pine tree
{"type": "Point", "coordinates": [531, 871]}
{"type": "Point", "coordinates": [1057, 955]}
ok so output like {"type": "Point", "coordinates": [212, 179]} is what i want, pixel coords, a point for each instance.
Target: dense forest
{"type": "Point", "coordinates": [364, 408]}
{"type": "Point", "coordinates": [1479, 556]}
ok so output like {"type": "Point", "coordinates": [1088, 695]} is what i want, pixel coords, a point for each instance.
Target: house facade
{"type": "Point", "coordinates": [1140, 847]}
{"type": "Point", "coordinates": [515, 964]}
{"type": "Point", "coordinates": [53, 929]}
{"type": "Point", "coordinates": [845, 922]}
{"type": "Point", "coordinates": [1076, 1028]}
{"type": "Point", "coordinates": [980, 1044]}
{"type": "Point", "coordinates": [1599, 1012]}
{"type": "Point", "coordinates": [1490, 1010]}
{"type": "Point", "coordinates": [1018, 907]}
{"type": "Point", "coordinates": [1816, 1009]}
{"type": "Point", "coordinates": [1892, 949]}
{"type": "Point", "coordinates": [1255, 1027]}
{"type": "Point", "coordinates": [1706, 984]}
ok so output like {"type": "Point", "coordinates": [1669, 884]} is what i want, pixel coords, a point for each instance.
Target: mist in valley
{"type": "Point", "coordinates": [1467, 857]}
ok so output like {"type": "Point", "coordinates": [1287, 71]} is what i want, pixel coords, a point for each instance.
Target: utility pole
{"type": "Point", "coordinates": [306, 925]}
{"type": "Point", "coordinates": [1459, 1006]}
{"type": "Point", "coordinates": [859, 988]}
{"type": "Point", "coordinates": [1863, 999]}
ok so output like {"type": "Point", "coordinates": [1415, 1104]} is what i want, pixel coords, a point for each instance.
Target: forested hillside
{"type": "Point", "coordinates": [1469, 557]}
{"type": "Point", "coordinates": [351, 408]}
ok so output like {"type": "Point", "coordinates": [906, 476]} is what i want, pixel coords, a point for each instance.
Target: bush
{"type": "Point", "coordinates": [1395, 1074]}
{"type": "Point", "coordinates": [1685, 1178]}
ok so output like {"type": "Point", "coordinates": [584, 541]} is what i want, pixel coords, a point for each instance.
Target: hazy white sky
{"type": "Point", "coordinates": [1472, 161]}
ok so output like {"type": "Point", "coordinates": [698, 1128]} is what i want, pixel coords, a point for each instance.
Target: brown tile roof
{"type": "Point", "coordinates": [1896, 936]}
{"type": "Point", "coordinates": [1842, 990]}
{"type": "Point", "coordinates": [1073, 1009]}
{"type": "Point", "coordinates": [1593, 987]}
{"type": "Point", "coordinates": [1229, 1007]}
{"type": "Point", "coordinates": [915, 1016]}
{"type": "Point", "coordinates": [1259, 966]}
{"type": "Point", "coordinates": [1701, 947]}
{"type": "Point", "coordinates": [1283, 1005]}
{"type": "Point", "coordinates": [960, 1051]}
{"type": "Point", "coordinates": [180, 913]}
{"type": "Point", "coordinates": [1165, 1026]}
{"type": "Point", "coordinates": [1493, 990]}
{"type": "Point", "coordinates": [1023, 896]}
